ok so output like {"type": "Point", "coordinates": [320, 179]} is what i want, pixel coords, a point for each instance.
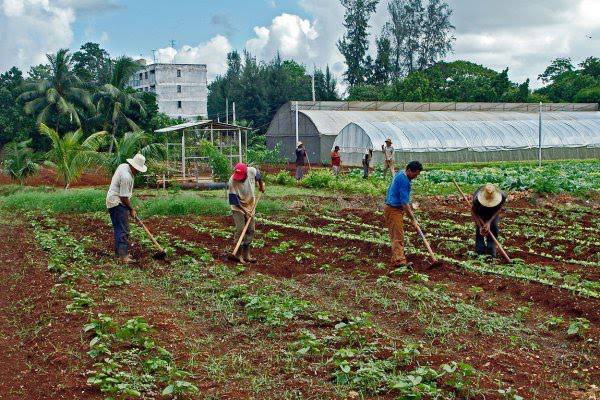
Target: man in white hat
{"type": "Point", "coordinates": [388, 157]}
{"type": "Point", "coordinates": [300, 160]}
{"type": "Point", "coordinates": [487, 204]}
{"type": "Point", "coordinates": [119, 205]}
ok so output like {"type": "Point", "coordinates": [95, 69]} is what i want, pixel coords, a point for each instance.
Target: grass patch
{"type": "Point", "coordinates": [93, 200]}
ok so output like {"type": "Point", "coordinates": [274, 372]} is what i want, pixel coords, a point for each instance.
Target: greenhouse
{"type": "Point", "coordinates": [445, 132]}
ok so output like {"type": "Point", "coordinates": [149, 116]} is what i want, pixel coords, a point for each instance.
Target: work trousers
{"type": "Point", "coordinates": [365, 170]}
{"type": "Point", "coordinates": [336, 170]}
{"type": "Point", "coordinates": [394, 219]}
{"type": "Point", "coordinates": [389, 165]}
{"type": "Point", "coordinates": [299, 172]}
{"type": "Point", "coordinates": [239, 219]}
{"type": "Point", "coordinates": [486, 245]}
{"type": "Point", "coordinates": [119, 217]}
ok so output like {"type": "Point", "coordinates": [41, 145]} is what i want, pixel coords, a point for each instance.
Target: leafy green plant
{"type": "Point", "coordinates": [219, 163]}
{"type": "Point", "coordinates": [578, 327]}
{"type": "Point", "coordinates": [71, 154]}
{"type": "Point", "coordinates": [20, 162]}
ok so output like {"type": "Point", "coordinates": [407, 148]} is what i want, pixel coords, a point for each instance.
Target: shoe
{"type": "Point", "coordinates": [237, 257]}
{"type": "Point", "coordinates": [127, 259]}
{"type": "Point", "coordinates": [246, 254]}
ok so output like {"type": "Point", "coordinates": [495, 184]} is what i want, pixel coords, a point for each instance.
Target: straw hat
{"type": "Point", "coordinates": [299, 144]}
{"type": "Point", "coordinates": [388, 140]}
{"type": "Point", "coordinates": [489, 195]}
{"type": "Point", "coordinates": [138, 162]}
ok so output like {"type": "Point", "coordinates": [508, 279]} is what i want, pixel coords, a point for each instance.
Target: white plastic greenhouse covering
{"type": "Point", "coordinates": [471, 131]}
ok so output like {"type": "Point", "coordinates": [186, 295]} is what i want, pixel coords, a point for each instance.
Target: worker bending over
{"type": "Point", "coordinates": [397, 203]}
{"type": "Point", "coordinates": [119, 205]}
{"type": "Point", "coordinates": [487, 204]}
{"type": "Point", "coordinates": [240, 190]}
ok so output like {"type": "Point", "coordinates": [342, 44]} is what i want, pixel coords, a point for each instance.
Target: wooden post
{"type": "Point", "coordinates": [240, 144]}
{"type": "Point", "coordinates": [183, 153]}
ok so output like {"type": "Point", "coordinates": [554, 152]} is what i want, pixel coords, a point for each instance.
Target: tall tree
{"type": "Point", "coordinates": [421, 32]}
{"type": "Point", "coordinates": [15, 125]}
{"type": "Point", "coordinates": [355, 42]}
{"type": "Point", "coordinates": [92, 64]}
{"type": "Point", "coordinates": [115, 99]}
{"type": "Point", "coordinates": [325, 85]}
{"type": "Point", "coordinates": [382, 66]}
{"type": "Point", "coordinates": [60, 94]}
{"type": "Point", "coordinates": [558, 67]}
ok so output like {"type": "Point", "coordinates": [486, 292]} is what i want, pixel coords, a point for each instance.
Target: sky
{"type": "Point", "coordinates": [521, 35]}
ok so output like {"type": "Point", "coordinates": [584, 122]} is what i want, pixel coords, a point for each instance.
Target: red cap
{"type": "Point", "coordinates": [240, 172]}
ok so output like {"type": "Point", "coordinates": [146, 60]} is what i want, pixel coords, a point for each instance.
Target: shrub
{"type": "Point", "coordinates": [219, 163]}
{"type": "Point", "coordinates": [259, 154]}
{"type": "Point", "coordinates": [319, 178]}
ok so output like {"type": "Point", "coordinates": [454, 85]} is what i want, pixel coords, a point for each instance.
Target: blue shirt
{"type": "Point", "coordinates": [398, 193]}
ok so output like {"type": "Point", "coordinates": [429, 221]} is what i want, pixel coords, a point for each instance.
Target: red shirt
{"type": "Point", "coordinates": [335, 159]}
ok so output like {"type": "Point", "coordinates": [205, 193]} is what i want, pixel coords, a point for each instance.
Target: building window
{"type": "Point", "coordinates": [179, 104]}
{"type": "Point", "coordinates": [178, 88]}
{"type": "Point", "coordinates": [179, 73]}
{"type": "Point", "coordinates": [146, 75]}
{"type": "Point", "coordinates": [141, 76]}
{"type": "Point", "coordinates": [151, 72]}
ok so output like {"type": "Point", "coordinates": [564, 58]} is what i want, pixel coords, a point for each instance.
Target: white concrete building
{"type": "Point", "coordinates": [181, 89]}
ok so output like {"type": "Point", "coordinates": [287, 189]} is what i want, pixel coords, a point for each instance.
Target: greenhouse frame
{"type": "Point", "coordinates": [438, 132]}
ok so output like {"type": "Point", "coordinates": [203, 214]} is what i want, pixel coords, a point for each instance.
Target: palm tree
{"type": "Point", "coordinates": [20, 161]}
{"type": "Point", "coordinates": [60, 94]}
{"type": "Point", "coordinates": [71, 154]}
{"type": "Point", "coordinates": [130, 144]}
{"type": "Point", "coordinates": [114, 99]}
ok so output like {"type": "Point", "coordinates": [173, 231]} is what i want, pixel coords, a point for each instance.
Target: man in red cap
{"type": "Point", "coordinates": [240, 190]}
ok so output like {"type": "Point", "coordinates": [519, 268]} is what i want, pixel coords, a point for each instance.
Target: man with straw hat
{"type": "Point", "coordinates": [487, 204]}
{"type": "Point", "coordinates": [240, 190]}
{"type": "Point", "coordinates": [118, 202]}
{"type": "Point", "coordinates": [388, 157]}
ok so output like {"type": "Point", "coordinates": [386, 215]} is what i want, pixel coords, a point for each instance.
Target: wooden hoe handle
{"type": "Point", "coordinates": [464, 196]}
{"type": "Point", "coordinates": [243, 234]}
{"type": "Point", "coordinates": [149, 234]}
{"type": "Point", "coordinates": [431, 253]}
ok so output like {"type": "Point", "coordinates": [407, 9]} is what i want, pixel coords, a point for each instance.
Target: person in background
{"type": "Point", "coordinates": [487, 204]}
{"type": "Point", "coordinates": [118, 203]}
{"type": "Point", "coordinates": [300, 160]}
{"type": "Point", "coordinates": [397, 203]}
{"type": "Point", "coordinates": [240, 191]}
{"type": "Point", "coordinates": [336, 161]}
{"type": "Point", "coordinates": [388, 157]}
{"type": "Point", "coordinates": [366, 162]}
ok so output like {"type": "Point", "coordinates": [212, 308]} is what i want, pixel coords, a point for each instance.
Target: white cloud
{"type": "Point", "coordinates": [31, 28]}
{"type": "Point", "coordinates": [213, 53]}
{"type": "Point", "coordinates": [288, 34]}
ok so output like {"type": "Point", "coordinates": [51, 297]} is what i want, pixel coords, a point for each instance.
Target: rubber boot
{"type": "Point", "coordinates": [246, 254]}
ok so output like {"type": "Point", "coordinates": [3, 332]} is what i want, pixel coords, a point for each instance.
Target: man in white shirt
{"type": "Point", "coordinates": [388, 157]}
{"type": "Point", "coordinates": [118, 202]}
{"type": "Point", "coordinates": [240, 190]}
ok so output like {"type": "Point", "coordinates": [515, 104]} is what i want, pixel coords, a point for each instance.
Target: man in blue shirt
{"type": "Point", "coordinates": [397, 202]}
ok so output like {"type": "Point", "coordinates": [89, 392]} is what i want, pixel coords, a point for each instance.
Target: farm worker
{"type": "Point", "coordinates": [119, 204]}
{"type": "Point", "coordinates": [336, 161]}
{"type": "Point", "coordinates": [487, 204]}
{"type": "Point", "coordinates": [366, 162]}
{"type": "Point", "coordinates": [388, 157]}
{"type": "Point", "coordinates": [300, 160]}
{"type": "Point", "coordinates": [397, 203]}
{"type": "Point", "coordinates": [240, 190]}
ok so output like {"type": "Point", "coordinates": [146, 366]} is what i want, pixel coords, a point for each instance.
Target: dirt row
{"type": "Point", "coordinates": [506, 293]}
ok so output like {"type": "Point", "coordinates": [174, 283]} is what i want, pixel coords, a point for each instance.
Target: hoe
{"type": "Point", "coordinates": [161, 254]}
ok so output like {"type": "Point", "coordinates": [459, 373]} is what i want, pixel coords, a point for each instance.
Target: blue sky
{"type": "Point", "coordinates": [186, 22]}
{"type": "Point", "coordinates": [521, 35]}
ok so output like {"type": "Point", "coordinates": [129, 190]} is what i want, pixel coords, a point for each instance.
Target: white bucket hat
{"type": "Point", "coordinates": [138, 162]}
{"type": "Point", "coordinates": [489, 195]}
{"type": "Point", "coordinates": [299, 144]}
